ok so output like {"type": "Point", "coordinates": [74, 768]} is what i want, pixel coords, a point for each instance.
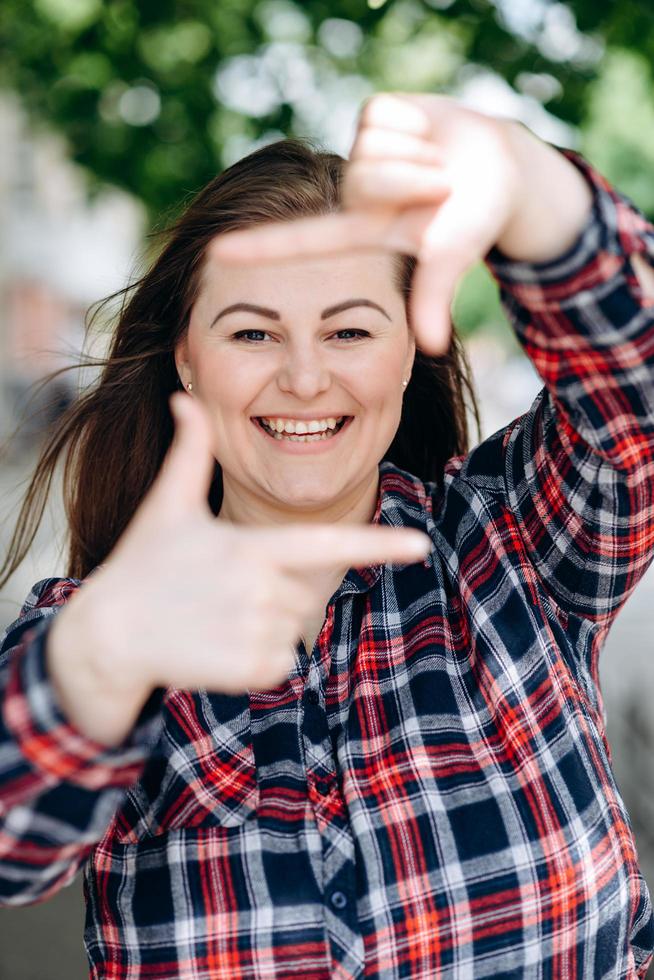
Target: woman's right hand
{"type": "Point", "coordinates": [188, 601]}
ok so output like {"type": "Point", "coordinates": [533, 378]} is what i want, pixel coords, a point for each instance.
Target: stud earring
{"type": "Point", "coordinates": [190, 386]}
{"type": "Point", "coordinates": [405, 382]}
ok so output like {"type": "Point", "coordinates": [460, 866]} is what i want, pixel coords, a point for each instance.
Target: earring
{"type": "Point", "coordinates": [405, 382]}
{"type": "Point", "coordinates": [190, 386]}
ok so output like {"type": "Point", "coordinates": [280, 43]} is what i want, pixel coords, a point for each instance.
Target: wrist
{"type": "Point", "coordinates": [553, 200]}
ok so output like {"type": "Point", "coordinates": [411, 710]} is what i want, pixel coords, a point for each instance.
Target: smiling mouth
{"type": "Point", "coordinates": [305, 437]}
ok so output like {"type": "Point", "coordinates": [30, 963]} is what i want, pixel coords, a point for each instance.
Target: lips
{"type": "Point", "coordinates": [313, 438]}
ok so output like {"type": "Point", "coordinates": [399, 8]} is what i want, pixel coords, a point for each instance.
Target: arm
{"type": "Point", "coordinates": [579, 466]}
{"type": "Point", "coordinates": [121, 637]}
{"type": "Point", "coordinates": [575, 263]}
{"type": "Point", "coordinates": [58, 788]}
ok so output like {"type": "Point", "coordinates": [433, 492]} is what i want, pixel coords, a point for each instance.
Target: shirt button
{"type": "Point", "coordinates": [338, 900]}
{"type": "Point", "coordinates": [313, 697]}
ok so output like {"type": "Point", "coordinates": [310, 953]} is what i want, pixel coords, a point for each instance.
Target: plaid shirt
{"type": "Point", "coordinates": [430, 793]}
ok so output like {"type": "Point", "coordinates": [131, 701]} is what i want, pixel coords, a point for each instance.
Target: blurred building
{"type": "Point", "coordinates": [59, 252]}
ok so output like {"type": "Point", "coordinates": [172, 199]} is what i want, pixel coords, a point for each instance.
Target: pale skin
{"type": "Point", "coordinates": [322, 339]}
{"type": "Point", "coordinates": [426, 176]}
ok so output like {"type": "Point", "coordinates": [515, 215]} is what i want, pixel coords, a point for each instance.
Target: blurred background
{"type": "Point", "coordinates": [113, 113]}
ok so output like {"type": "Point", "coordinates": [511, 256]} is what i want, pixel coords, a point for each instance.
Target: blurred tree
{"type": "Point", "coordinates": [618, 130]}
{"type": "Point", "coordinates": [156, 96]}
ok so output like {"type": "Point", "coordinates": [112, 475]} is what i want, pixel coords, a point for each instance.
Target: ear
{"type": "Point", "coordinates": [181, 359]}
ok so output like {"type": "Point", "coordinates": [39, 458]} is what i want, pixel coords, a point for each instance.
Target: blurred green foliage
{"type": "Point", "coordinates": [156, 96]}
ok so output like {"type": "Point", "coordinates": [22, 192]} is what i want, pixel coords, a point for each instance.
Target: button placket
{"type": "Point", "coordinates": [338, 900]}
{"type": "Point", "coordinates": [318, 750]}
{"type": "Point", "coordinates": [342, 917]}
{"type": "Point", "coordinates": [338, 874]}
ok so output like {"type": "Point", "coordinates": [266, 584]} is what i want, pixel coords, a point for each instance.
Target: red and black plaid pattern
{"type": "Point", "coordinates": [430, 793]}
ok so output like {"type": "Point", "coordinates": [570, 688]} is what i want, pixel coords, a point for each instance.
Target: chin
{"type": "Point", "coordinates": [308, 497]}
{"type": "Point", "coordinates": [306, 501]}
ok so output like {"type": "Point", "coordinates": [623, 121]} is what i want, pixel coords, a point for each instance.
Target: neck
{"type": "Point", "coordinates": [240, 505]}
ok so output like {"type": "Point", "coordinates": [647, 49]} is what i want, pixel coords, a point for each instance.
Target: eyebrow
{"type": "Point", "coordinates": [274, 315]}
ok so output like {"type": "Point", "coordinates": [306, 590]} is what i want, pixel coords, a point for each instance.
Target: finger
{"type": "Point", "coordinates": [393, 183]}
{"type": "Point", "coordinates": [392, 111]}
{"type": "Point", "coordinates": [383, 144]}
{"type": "Point", "coordinates": [324, 235]}
{"type": "Point", "coordinates": [185, 475]}
{"type": "Point", "coordinates": [310, 546]}
{"type": "Point", "coordinates": [449, 250]}
{"type": "Point", "coordinates": [430, 310]}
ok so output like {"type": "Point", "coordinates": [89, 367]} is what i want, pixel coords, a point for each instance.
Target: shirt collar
{"type": "Point", "coordinates": [402, 501]}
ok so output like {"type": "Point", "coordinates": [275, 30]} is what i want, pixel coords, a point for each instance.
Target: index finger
{"type": "Point", "coordinates": [323, 235]}
{"type": "Point", "coordinates": [311, 546]}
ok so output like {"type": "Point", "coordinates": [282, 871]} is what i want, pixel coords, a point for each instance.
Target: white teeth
{"type": "Point", "coordinates": [301, 427]}
{"type": "Point", "coordinates": [312, 431]}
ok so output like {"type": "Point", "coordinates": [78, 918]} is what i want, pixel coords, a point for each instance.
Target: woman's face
{"type": "Point", "coordinates": [283, 345]}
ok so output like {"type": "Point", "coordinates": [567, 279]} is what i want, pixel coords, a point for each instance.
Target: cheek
{"type": "Point", "coordinates": [380, 381]}
{"type": "Point", "coordinates": [229, 384]}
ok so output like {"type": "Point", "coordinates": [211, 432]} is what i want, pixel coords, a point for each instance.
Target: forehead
{"type": "Point", "coordinates": [313, 281]}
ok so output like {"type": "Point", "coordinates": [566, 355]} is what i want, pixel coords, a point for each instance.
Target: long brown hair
{"type": "Point", "coordinates": [115, 435]}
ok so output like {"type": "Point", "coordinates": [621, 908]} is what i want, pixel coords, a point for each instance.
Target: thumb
{"type": "Point", "coordinates": [432, 294]}
{"type": "Point", "coordinates": [455, 238]}
{"type": "Point", "coordinates": [183, 481]}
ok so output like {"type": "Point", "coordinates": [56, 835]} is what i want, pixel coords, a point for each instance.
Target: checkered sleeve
{"type": "Point", "coordinates": [58, 788]}
{"type": "Point", "coordinates": [579, 466]}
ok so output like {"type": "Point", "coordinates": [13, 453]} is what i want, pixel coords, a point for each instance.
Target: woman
{"type": "Point", "coordinates": [422, 788]}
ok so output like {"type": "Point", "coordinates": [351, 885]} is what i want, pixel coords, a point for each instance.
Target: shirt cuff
{"type": "Point", "coordinates": [53, 746]}
{"type": "Point", "coordinates": [614, 230]}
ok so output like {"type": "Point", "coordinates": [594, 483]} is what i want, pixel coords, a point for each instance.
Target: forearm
{"type": "Point", "coordinates": [41, 747]}
{"type": "Point", "coordinates": [585, 321]}
{"type": "Point", "coordinates": [58, 788]}
{"type": "Point", "coordinates": [553, 201]}
{"type": "Point", "coordinates": [579, 464]}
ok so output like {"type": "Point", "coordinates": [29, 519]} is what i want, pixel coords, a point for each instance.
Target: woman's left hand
{"type": "Point", "coordinates": [430, 177]}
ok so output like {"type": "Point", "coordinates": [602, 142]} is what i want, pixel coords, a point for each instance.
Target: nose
{"type": "Point", "coordinates": [303, 372]}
